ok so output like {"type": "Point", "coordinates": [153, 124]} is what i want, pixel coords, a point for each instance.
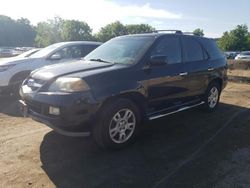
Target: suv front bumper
{"type": "Point", "coordinates": [77, 112]}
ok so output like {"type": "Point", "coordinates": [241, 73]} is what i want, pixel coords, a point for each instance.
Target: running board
{"type": "Point", "coordinates": [179, 110]}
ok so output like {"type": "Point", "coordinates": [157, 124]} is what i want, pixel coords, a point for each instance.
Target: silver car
{"type": "Point", "coordinates": [14, 71]}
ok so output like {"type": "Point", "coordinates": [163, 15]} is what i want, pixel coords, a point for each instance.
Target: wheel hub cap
{"type": "Point", "coordinates": [122, 126]}
{"type": "Point", "coordinates": [213, 97]}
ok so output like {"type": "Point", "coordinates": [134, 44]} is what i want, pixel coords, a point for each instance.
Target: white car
{"type": "Point", "coordinates": [14, 71]}
{"type": "Point", "coordinates": [243, 56]}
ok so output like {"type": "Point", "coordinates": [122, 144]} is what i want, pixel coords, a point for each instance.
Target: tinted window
{"type": "Point", "coordinates": [74, 52]}
{"type": "Point", "coordinates": [212, 49]}
{"type": "Point", "coordinates": [192, 50]}
{"type": "Point", "coordinates": [87, 49]}
{"type": "Point", "coordinates": [169, 47]}
{"type": "Point", "coordinates": [70, 52]}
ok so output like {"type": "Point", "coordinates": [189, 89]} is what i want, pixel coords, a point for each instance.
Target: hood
{"type": "Point", "coordinates": [48, 72]}
{"type": "Point", "coordinates": [13, 61]}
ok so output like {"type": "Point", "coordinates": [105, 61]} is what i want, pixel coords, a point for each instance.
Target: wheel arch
{"type": "Point", "coordinates": [19, 77]}
{"type": "Point", "coordinates": [137, 98]}
{"type": "Point", "coordinates": [218, 80]}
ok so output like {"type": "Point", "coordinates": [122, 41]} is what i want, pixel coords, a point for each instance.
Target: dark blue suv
{"type": "Point", "coordinates": [125, 81]}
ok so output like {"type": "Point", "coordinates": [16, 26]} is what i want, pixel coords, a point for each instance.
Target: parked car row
{"type": "Point", "coordinates": [6, 52]}
{"type": "Point", "coordinates": [120, 84]}
{"type": "Point", "coordinates": [231, 54]}
{"type": "Point", "coordinates": [244, 55]}
{"type": "Point", "coordinates": [11, 51]}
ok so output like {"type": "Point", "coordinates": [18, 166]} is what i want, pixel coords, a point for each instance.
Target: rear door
{"type": "Point", "coordinates": [197, 67]}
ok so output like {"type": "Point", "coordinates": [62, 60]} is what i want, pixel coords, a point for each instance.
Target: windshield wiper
{"type": "Point", "coordinates": [100, 60]}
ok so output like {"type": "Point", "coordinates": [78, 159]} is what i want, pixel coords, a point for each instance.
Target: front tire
{"type": "Point", "coordinates": [212, 97]}
{"type": "Point", "coordinates": [118, 124]}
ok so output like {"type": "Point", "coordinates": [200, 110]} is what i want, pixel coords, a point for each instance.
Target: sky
{"type": "Point", "coordinates": [213, 16]}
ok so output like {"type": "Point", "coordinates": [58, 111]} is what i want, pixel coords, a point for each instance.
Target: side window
{"type": "Point", "coordinates": [87, 49]}
{"type": "Point", "coordinates": [76, 51]}
{"type": "Point", "coordinates": [192, 50]}
{"type": "Point", "coordinates": [70, 52]}
{"type": "Point", "coordinates": [169, 47]}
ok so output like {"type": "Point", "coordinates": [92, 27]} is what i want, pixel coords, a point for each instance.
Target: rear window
{"type": "Point", "coordinates": [212, 49]}
{"type": "Point", "coordinates": [192, 50]}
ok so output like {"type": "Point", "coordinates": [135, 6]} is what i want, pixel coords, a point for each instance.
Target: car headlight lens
{"type": "Point", "coordinates": [5, 67]}
{"type": "Point", "coordinates": [66, 84]}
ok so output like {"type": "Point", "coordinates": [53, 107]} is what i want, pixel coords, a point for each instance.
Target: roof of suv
{"type": "Point", "coordinates": [158, 34]}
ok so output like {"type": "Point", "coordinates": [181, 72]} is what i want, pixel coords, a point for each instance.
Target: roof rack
{"type": "Point", "coordinates": [188, 33]}
{"type": "Point", "coordinates": [169, 30]}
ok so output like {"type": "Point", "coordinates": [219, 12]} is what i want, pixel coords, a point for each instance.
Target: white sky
{"type": "Point", "coordinates": [214, 16]}
{"type": "Point", "coordinates": [97, 13]}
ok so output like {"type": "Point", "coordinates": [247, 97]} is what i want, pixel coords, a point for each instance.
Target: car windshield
{"type": "Point", "coordinates": [45, 51]}
{"type": "Point", "coordinates": [122, 50]}
{"type": "Point", "coordinates": [28, 53]}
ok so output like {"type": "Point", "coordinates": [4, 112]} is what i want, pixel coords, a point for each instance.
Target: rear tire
{"type": "Point", "coordinates": [118, 124]}
{"type": "Point", "coordinates": [212, 97]}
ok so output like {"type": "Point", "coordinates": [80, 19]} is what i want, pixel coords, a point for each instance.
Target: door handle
{"type": "Point", "coordinates": [183, 74]}
{"type": "Point", "coordinates": [210, 69]}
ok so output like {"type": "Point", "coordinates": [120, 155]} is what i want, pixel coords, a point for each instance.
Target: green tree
{"type": "Point", "coordinates": [117, 29]}
{"type": "Point", "coordinates": [110, 31]}
{"type": "Point", "coordinates": [73, 30]}
{"type": "Point", "coordinates": [236, 39]}
{"type": "Point", "coordinates": [49, 32]}
{"type": "Point", "coordinates": [198, 32]}
{"type": "Point", "coordinates": [25, 32]}
{"type": "Point", "coordinates": [16, 32]}
{"type": "Point", "coordinates": [248, 42]}
{"type": "Point", "coordinates": [139, 28]}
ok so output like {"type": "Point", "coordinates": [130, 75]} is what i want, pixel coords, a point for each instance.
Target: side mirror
{"type": "Point", "coordinates": [56, 56]}
{"type": "Point", "coordinates": [158, 60]}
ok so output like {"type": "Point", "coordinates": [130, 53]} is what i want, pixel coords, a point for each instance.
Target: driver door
{"type": "Point", "coordinates": [166, 82]}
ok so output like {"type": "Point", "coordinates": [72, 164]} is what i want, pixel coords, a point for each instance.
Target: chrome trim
{"type": "Point", "coordinates": [179, 110]}
{"type": "Point", "coordinates": [183, 74]}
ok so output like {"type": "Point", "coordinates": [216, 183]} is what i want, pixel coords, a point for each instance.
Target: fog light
{"type": "Point", "coordinates": [54, 111]}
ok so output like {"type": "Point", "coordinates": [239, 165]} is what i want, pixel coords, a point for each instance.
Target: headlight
{"type": "Point", "coordinates": [5, 67]}
{"type": "Point", "coordinates": [68, 85]}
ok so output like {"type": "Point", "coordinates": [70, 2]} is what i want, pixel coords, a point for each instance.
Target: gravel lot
{"type": "Point", "coordinates": [190, 149]}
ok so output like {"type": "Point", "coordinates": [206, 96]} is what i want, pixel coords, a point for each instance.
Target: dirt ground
{"type": "Point", "coordinates": [190, 149]}
{"type": "Point", "coordinates": [243, 73]}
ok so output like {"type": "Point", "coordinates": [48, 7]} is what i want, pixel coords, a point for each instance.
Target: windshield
{"type": "Point", "coordinates": [123, 50]}
{"type": "Point", "coordinates": [28, 53]}
{"type": "Point", "coordinates": [45, 51]}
